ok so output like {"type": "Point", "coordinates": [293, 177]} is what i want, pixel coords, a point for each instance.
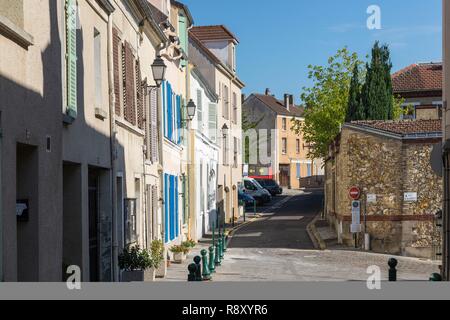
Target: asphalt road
{"type": "Point", "coordinates": [283, 225]}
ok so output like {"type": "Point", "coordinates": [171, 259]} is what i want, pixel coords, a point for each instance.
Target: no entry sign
{"type": "Point", "coordinates": [355, 193]}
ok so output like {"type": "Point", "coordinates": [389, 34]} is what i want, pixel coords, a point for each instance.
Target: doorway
{"type": "Point", "coordinates": [94, 246]}
{"type": "Point", "coordinates": [285, 175]}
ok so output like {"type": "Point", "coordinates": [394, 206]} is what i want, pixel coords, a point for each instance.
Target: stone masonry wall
{"type": "Point", "coordinates": [388, 168]}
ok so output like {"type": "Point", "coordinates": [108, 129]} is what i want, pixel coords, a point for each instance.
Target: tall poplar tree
{"type": "Point", "coordinates": [377, 93]}
{"type": "Point", "coordinates": [355, 110]}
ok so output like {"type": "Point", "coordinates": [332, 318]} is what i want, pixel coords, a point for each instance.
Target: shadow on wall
{"type": "Point", "coordinates": [312, 182]}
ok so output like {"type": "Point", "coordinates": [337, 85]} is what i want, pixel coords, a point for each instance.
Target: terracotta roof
{"type": "Point", "coordinates": [403, 127]}
{"type": "Point", "coordinates": [211, 33]}
{"type": "Point", "coordinates": [418, 77]}
{"type": "Point", "coordinates": [278, 107]}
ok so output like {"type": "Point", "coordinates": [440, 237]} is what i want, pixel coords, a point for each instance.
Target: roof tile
{"type": "Point", "coordinates": [403, 127]}
{"type": "Point", "coordinates": [418, 77]}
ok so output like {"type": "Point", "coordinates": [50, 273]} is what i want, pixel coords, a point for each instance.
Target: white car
{"type": "Point", "coordinates": [253, 188]}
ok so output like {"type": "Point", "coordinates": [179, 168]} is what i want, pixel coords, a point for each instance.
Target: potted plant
{"type": "Point", "coordinates": [179, 253]}
{"type": "Point", "coordinates": [190, 244]}
{"type": "Point", "coordinates": [157, 254]}
{"type": "Point", "coordinates": [136, 265]}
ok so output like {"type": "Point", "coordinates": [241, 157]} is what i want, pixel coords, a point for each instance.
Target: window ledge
{"type": "Point", "coordinates": [15, 33]}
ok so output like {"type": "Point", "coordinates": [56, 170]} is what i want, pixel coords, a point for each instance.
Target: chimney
{"type": "Point", "coordinates": [267, 92]}
{"type": "Point", "coordinates": [291, 100]}
{"type": "Point", "coordinates": [287, 101]}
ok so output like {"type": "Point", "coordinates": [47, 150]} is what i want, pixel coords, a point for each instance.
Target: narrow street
{"type": "Point", "coordinates": [276, 247]}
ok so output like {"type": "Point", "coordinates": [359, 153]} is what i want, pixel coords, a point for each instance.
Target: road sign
{"type": "Point", "coordinates": [410, 197]}
{"type": "Point", "coordinates": [355, 193]}
{"type": "Point", "coordinates": [356, 217]}
{"type": "Point", "coordinates": [371, 198]}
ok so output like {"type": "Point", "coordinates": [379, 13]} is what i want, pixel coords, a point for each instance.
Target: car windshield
{"type": "Point", "coordinates": [258, 185]}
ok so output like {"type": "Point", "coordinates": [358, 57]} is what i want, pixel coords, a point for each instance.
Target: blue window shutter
{"type": "Point", "coordinates": [164, 107]}
{"type": "Point", "coordinates": [177, 213]}
{"type": "Point", "coordinates": [169, 111]}
{"type": "Point", "coordinates": [298, 170]}
{"type": "Point", "coordinates": [166, 209]}
{"type": "Point", "coordinates": [179, 118]}
{"type": "Point", "coordinates": [173, 206]}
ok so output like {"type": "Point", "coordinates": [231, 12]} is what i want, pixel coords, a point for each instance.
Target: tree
{"type": "Point", "coordinates": [355, 110]}
{"type": "Point", "coordinates": [326, 102]}
{"type": "Point", "coordinates": [377, 93]}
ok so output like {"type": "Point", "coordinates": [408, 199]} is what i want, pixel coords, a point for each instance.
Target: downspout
{"type": "Point", "coordinates": [1, 204]}
{"type": "Point", "coordinates": [112, 124]}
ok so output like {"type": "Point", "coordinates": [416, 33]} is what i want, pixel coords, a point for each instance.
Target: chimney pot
{"type": "Point", "coordinates": [287, 98]}
{"type": "Point", "coordinates": [267, 92]}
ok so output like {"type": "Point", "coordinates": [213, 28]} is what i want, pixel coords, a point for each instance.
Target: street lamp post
{"type": "Point", "coordinates": [159, 70]}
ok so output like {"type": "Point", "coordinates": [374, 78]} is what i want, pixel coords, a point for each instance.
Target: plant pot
{"type": "Point", "coordinates": [138, 275]}
{"type": "Point", "coordinates": [179, 257]}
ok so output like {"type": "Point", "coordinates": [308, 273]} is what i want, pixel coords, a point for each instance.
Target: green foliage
{"type": "Point", "coordinates": [157, 253]}
{"type": "Point", "coordinates": [189, 244]}
{"type": "Point", "coordinates": [133, 258]}
{"type": "Point", "coordinates": [355, 109]}
{"type": "Point", "coordinates": [180, 249]}
{"type": "Point", "coordinates": [377, 93]}
{"type": "Point", "coordinates": [326, 102]}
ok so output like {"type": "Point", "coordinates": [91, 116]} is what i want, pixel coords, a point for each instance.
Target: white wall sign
{"type": "Point", "coordinates": [371, 198]}
{"type": "Point", "coordinates": [410, 197]}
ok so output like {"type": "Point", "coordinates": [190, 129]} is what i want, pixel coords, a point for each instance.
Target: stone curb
{"type": "Point", "coordinates": [314, 234]}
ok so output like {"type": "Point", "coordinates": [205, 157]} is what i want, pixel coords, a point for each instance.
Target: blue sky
{"type": "Point", "coordinates": [279, 39]}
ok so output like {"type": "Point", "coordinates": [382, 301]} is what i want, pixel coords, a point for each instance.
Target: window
{"type": "Point", "coordinates": [284, 146]}
{"type": "Point", "coordinates": [409, 110]}
{"type": "Point", "coordinates": [236, 152]}
{"type": "Point", "coordinates": [172, 113]}
{"type": "Point", "coordinates": [284, 124]}
{"type": "Point", "coordinates": [225, 149]}
{"type": "Point", "coordinates": [235, 107]}
{"type": "Point", "coordinates": [71, 57]}
{"type": "Point", "coordinates": [98, 68]}
{"type": "Point", "coordinates": [309, 170]}
{"type": "Point", "coordinates": [298, 171]}
{"type": "Point", "coordinates": [130, 221]}
{"type": "Point", "coordinates": [212, 116]}
{"type": "Point", "coordinates": [234, 58]}
{"type": "Point", "coordinates": [297, 147]}
{"type": "Point", "coordinates": [199, 110]}
{"type": "Point", "coordinates": [171, 213]}
{"type": "Point", "coordinates": [226, 103]}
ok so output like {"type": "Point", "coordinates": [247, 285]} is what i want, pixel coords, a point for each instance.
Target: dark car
{"type": "Point", "coordinates": [272, 186]}
{"type": "Point", "coordinates": [247, 199]}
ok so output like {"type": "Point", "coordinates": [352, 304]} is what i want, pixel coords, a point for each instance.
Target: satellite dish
{"type": "Point", "coordinates": [437, 163]}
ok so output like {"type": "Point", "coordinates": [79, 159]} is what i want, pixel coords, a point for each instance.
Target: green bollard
{"type": "Point", "coordinates": [392, 269]}
{"type": "Point", "coordinates": [217, 257]}
{"type": "Point", "coordinates": [206, 275]}
{"type": "Point", "coordinates": [224, 241]}
{"type": "Point", "coordinates": [192, 270]}
{"type": "Point", "coordinates": [436, 277]}
{"type": "Point", "coordinates": [254, 207]}
{"type": "Point", "coordinates": [222, 255]}
{"type": "Point", "coordinates": [212, 267]}
{"type": "Point", "coordinates": [198, 272]}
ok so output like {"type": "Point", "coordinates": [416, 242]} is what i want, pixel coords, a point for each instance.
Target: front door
{"type": "Point", "coordinates": [93, 229]}
{"type": "Point", "coordinates": [284, 176]}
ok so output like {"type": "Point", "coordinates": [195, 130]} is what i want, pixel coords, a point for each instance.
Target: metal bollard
{"type": "Point", "coordinates": [392, 269]}
{"type": "Point", "coordinates": [206, 275]}
{"type": "Point", "coordinates": [198, 272]}
{"type": "Point", "coordinates": [217, 256]}
{"type": "Point", "coordinates": [192, 271]}
{"type": "Point", "coordinates": [212, 267]}
{"type": "Point", "coordinates": [436, 277]}
{"type": "Point", "coordinates": [221, 248]}
{"type": "Point", "coordinates": [224, 241]}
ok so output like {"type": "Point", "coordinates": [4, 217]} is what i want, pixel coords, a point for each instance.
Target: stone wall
{"type": "Point", "coordinates": [385, 167]}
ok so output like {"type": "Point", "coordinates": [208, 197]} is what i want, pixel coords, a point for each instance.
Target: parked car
{"type": "Point", "coordinates": [246, 198]}
{"type": "Point", "coordinates": [252, 187]}
{"type": "Point", "coordinates": [271, 185]}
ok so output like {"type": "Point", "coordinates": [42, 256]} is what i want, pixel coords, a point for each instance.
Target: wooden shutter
{"type": "Point", "coordinates": [139, 96]}
{"type": "Point", "coordinates": [71, 57]}
{"type": "Point", "coordinates": [154, 150]}
{"type": "Point", "coordinates": [129, 109]}
{"type": "Point", "coordinates": [199, 109]}
{"type": "Point", "coordinates": [116, 61]}
{"type": "Point", "coordinates": [155, 204]}
{"type": "Point", "coordinates": [212, 121]}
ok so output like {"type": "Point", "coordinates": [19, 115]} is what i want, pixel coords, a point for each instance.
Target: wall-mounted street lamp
{"type": "Point", "coordinates": [159, 70]}
{"type": "Point", "coordinates": [191, 108]}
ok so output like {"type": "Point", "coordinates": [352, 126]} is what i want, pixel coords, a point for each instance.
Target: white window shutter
{"type": "Point", "coordinates": [154, 155]}
{"type": "Point", "coordinates": [212, 116]}
{"type": "Point", "coordinates": [71, 57]}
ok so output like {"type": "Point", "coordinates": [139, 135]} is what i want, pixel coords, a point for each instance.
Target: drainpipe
{"type": "Point", "coordinates": [1, 206]}
{"type": "Point", "coordinates": [113, 147]}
